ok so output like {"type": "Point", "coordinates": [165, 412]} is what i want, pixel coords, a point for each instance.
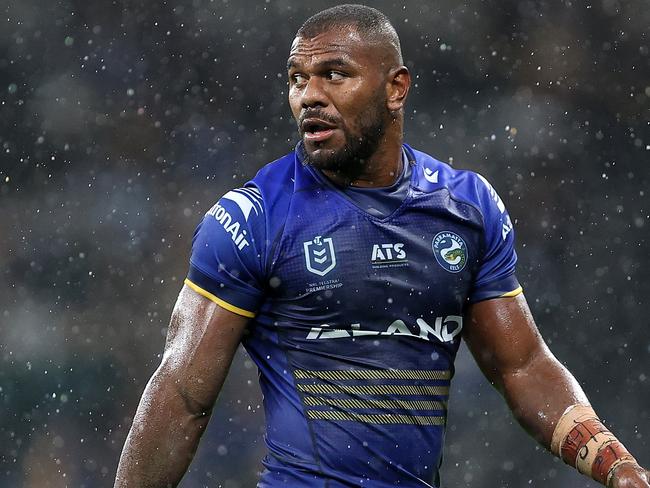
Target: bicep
{"type": "Point", "coordinates": [503, 337]}
{"type": "Point", "coordinates": [201, 342]}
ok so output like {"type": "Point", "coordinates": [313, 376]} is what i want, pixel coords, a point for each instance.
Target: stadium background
{"type": "Point", "coordinates": [122, 122]}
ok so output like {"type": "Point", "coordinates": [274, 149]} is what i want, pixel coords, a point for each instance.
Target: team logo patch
{"type": "Point", "coordinates": [319, 255]}
{"type": "Point", "coordinates": [450, 251]}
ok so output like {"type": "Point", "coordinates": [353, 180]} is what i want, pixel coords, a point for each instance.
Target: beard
{"type": "Point", "coordinates": [350, 160]}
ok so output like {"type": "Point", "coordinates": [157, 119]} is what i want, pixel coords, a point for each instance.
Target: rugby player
{"type": "Point", "coordinates": [350, 269]}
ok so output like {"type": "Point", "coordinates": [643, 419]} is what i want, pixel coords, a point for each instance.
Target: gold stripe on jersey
{"type": "Point", "coordinates": [375, 404]}
{"type": "Point", "coordinates": [374, 374]}
{"type": "Point", "coordinates": [219, 301]}
{"type": "Point", "coordinates": [388, 418]}
{"type": "Point", "coordinates": [374, 389]}
{"type": "Point", "coordinates": [513, 293]}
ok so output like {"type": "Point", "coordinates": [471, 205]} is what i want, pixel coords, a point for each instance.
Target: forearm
{"type": "Point", "coordinates": [548, 402]}
{"type": "Point", "coordinates": [543, 395]}
{"type": "Point", "coordinates": [163, 438]}
{"type": "Point", "coordinates": [538, 394]}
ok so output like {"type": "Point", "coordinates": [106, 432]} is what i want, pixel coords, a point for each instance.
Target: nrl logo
{"type": "Point", "coordinates": [319, 255]}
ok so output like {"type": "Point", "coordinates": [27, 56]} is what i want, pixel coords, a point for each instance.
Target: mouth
{"type": "Point", "coordinates": [317, 130]}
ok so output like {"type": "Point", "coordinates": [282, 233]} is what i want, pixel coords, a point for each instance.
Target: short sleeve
{"type": "Point", "coordinates": [496, 274]}
{"type": "Point", "coordinates": [226, 264]}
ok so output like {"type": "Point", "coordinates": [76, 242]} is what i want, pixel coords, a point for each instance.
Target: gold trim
{"type": "Point", "coordinates": [513, 293]}
{"type": "Point", "coordinates": [375, 389]}
{"type": "Point", "coordinates": [387, 404]}
{"type": "Point", "coordinates": [377, 418]}
{"type": "Point", "coordinates": [219, 301]}
{"type": "Point", "coordinates": [374, 374]}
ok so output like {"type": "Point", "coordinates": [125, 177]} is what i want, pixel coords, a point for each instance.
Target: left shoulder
{"type": "Point", "coordinates": [432, 175]}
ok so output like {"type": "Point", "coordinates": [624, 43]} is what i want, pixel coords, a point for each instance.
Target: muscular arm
{"type": "Point", "coordinates": [177, 402]}
{"type": "Point", "coordinates": [504, 340]}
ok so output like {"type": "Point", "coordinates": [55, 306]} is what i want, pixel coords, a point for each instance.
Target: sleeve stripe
{"type": "Point", "coordinates": [513, 293]}
{"type": "Point", "coordinates": [219, 301]}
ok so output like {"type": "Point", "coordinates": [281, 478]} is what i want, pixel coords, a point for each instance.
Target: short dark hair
{"type": "Point", "coordinates": [369, 22]}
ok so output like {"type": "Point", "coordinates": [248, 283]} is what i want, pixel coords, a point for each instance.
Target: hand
{"type": "Point", "coordinates": [630, 475]}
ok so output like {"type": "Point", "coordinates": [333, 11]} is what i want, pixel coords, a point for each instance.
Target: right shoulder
{"type": "Point", "coordinates": [233, 243]}
{"type": "Point", "coordinates": [275, 183]}
{"type": "Point", "coordinates": [250, 216]}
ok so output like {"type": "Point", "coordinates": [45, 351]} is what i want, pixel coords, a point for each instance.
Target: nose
{"type": "Point", "coordinates": [314, 94]}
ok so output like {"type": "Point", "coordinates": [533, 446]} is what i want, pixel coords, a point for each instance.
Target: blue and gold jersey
{"type": "Point", "coordinates": [356, 318]}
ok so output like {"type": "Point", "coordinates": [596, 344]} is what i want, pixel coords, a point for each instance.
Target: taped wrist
{"type": "Point", "coordinates": [582, 441]}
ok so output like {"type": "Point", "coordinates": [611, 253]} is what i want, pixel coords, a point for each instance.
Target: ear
{"type": "Point", "coordinates": [397, 88]}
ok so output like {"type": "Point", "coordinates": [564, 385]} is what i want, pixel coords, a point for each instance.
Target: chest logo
{"type": "Point", "coordinates": [450, 251]}
{"type": "Point", "coordinates": [388, 253]}
{"type": "Point", "coordinates": [320, 257]}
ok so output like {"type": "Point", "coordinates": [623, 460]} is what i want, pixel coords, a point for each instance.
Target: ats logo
{"type": "Point", "coordinates": [388, 255]}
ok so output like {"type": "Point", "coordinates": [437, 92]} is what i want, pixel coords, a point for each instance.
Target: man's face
{"type": "Point", "coordinates": [337, 93]}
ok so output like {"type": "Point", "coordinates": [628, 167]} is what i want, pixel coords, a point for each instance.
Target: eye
{"type": "Point", "coordinates": [335, 76]}
{"type": "Point", "coordinates": [297, 79]}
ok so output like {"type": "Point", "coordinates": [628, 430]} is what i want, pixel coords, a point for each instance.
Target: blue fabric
{"type": "Point", "coordinates": [228, 250]}
{"type": "Point", "coordinates": [359, 314]}
{"type": "Point", "coordinates": [381, 202]}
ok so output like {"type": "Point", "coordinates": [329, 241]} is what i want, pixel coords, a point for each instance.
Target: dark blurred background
{"type": "Point", "coordinates": [122, 122]}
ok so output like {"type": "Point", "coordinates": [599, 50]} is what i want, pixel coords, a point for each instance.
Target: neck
{"type": "Point", "coordinates": [380, 170]}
